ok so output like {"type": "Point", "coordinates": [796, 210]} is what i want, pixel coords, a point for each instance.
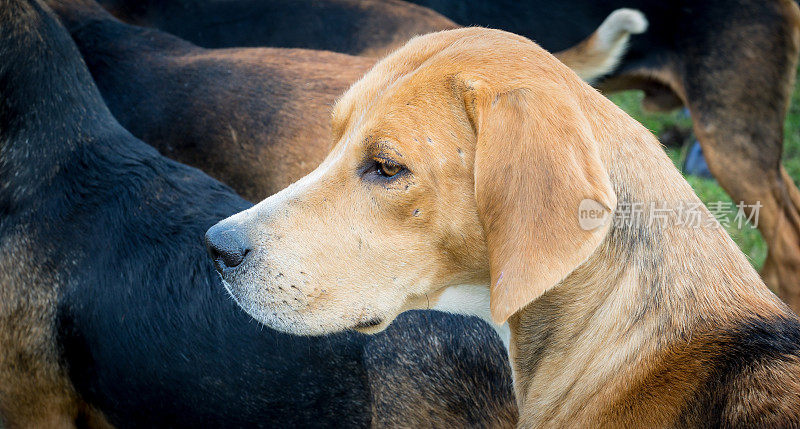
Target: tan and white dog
{"type": "Point", "coordinates": [470, 157]}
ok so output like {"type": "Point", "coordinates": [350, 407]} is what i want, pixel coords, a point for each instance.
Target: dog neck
{"type": "Point", "coordinates": [625, 332]}
{"type": "Point", "coordinates": [472, 300]}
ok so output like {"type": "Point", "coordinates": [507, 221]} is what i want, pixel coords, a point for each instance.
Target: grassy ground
{"type": "Point", "coordinates": [664, 124]}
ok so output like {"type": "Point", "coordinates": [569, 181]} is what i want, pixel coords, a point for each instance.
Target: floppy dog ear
{"type": "Point", "coordinates": [536, 161]}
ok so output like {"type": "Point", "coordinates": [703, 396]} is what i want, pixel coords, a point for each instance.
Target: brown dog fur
{"type": "Point", "coordinates": [464, 158]}
{"type": "Point", "coordinates": [255, 118]}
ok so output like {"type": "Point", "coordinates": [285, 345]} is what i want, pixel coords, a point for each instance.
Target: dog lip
{"type": "Point", "coordinates": [229, 290]}
{"type": "Point", "coordinates": [227, 272]}
{"type": "Point", "coordinates": [223, 269]}
{"type": "Point", "coordinates": [370, 323]}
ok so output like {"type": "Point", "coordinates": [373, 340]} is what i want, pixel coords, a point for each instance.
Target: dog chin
{"type": "Point", "coordinates": [287, 322]}
{"type": "Point", "coordinates": [293, 323]}
{"type": "Point", "coordinates": [265, 316]}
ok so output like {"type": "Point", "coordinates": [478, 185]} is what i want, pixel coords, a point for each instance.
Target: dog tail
{"type": "Point", "coordinates": [600, 53]}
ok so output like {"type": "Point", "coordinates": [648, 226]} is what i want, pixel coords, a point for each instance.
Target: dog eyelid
{"type": "Point", "coordinates": [388, 168]}
{"type": "Point", "coordinates": [387, 161]}
{"type": "Point", "coordinates": [381, 169]}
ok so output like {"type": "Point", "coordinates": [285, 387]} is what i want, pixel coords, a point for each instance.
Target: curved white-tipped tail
{"type": "Point", "coordinates": [619, 26]}
{"type": "Point", "coordinates": [600, 53]}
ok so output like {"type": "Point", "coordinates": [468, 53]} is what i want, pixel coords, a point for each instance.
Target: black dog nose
{"type": "Point", "coordinates": [226, 246]}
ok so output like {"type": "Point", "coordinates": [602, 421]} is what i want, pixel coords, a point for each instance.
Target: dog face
{"type": "Point", "coordinates": [460, 159]}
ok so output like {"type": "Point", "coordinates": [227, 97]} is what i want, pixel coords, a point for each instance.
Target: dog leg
{"type": "Point", "coordinates": [35, 391]}
{"type": "Point", "coordinates": [25, 408]}
{"type": "Point", "coordinates": [738, 103]}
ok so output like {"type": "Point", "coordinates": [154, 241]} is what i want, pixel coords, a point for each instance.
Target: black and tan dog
{"type": "Point", "coordinates": [475, 157]}
{"type": "Point", "coordinates": [110, 312]}
{"type": "Point", "coordinates": [257, 119]}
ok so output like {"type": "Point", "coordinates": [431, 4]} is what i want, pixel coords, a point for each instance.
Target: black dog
{"type": "Point", "coordinates": [110, 311]}
{"type": "Point", "coordinates": [363, 27]}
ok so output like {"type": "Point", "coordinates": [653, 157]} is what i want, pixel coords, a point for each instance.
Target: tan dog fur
{"type": "Point", "coordinates": [642, 324]}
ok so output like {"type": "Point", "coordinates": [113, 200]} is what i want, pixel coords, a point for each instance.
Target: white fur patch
{"type": "Point", "coordinates": [611, 40]}
{"type": "Point", "coordinates": [472, 300]}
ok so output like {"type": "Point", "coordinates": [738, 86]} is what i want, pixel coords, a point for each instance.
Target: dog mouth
{"type": "Point", "coordinates": [369, 323]}
{"type": "Point", "coordinates": [372, 326]}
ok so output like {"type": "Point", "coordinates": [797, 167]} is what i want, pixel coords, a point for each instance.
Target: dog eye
{"type": "Point", "coordinates": [388, 169]}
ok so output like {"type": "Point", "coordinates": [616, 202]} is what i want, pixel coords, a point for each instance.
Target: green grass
{"type": "Point", "coordinates": [748, 238]}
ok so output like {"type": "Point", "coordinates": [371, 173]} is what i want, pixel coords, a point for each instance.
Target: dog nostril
{"type": "Point", "coordinates": [226, 247]}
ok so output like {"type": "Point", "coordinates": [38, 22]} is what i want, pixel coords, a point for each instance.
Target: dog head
{"type": "Point", "coordinates": [462, 158]}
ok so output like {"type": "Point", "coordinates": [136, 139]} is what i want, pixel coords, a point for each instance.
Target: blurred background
{"type": "Point", "coordinates": [674, 130]}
